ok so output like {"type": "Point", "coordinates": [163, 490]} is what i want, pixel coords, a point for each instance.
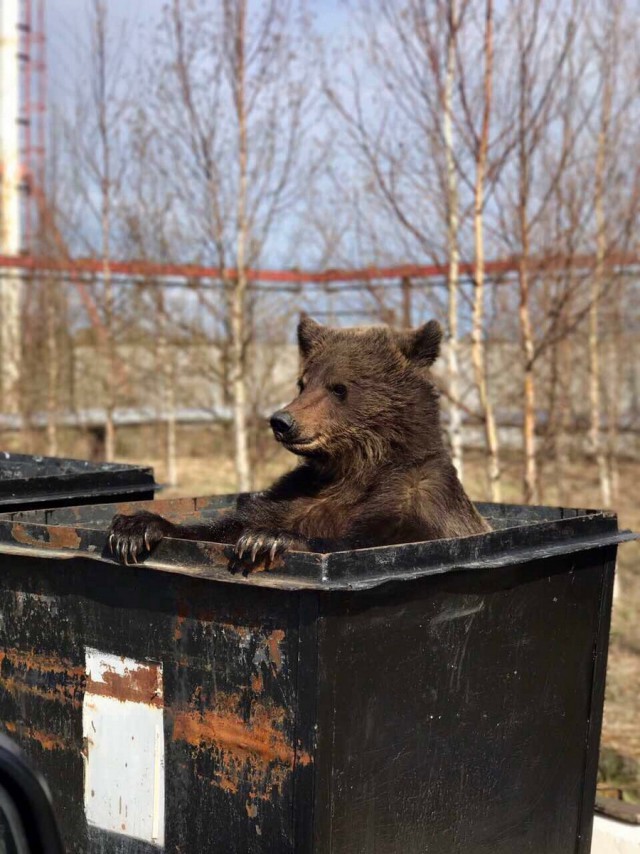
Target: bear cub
{"type": "Point", "coordinates": [373, 468]}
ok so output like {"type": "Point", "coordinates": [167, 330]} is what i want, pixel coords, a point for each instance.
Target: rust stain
{"type": "Point", "coordinates": [57, 693]}
{"type": "Point", "coordinates": [142, 685]}
{"type": "Point", "coordinates": [47, 740]}
{"type": "Point", "coordinates": [129, 507]}
{"type": "Point", "coordinates": [175, 510]}
{"type": "Point", "coordinates": [251, 753]}
{"type": "Point", "coordinates": [274, 639]}
{"type": "Point", "coordinates": [59, 537]}
{"type": "Point", "coordinates": [252, 810]}
{"type": "Point", "coordinates": [257, 740]}
{"type": "Point", "coordinates": [30, 659]}
{"type": "Point", "coordinates": [178, 627]}
{"type": "Point", "coordinates": [303, 757]}
{"type": "Point", "coordinates": [179, 518]}
{"type": "Point", "coordinates": [214, 553]}
{"type": "Point", "coordinates": [257, 684]}
{"type": "Point", "coordinates": [25, 672]}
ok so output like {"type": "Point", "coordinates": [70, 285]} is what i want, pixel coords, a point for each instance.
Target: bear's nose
{"type": "Point", "coordinates": [281, 423]}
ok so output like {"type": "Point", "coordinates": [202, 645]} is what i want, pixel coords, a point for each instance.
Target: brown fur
{"type": "Point", "coordinates": [374, 469]}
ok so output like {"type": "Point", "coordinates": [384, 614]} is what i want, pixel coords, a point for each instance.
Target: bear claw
{"type": "Point", "coordinates": [259, 547]}
{"type": "Point", "coordinates": [130, 536]}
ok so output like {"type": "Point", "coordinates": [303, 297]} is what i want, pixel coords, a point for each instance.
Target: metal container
{"type": "Point", "coordinates": [31, 482]}
{"type": "Point", "coordinates": [432, 697]}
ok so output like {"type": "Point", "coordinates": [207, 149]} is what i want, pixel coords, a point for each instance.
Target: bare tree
{"type": "Point", "coordinates": [95, 162]}
{"type": "Point", "coordinates": [233, 95]}
{"type": "Point", "coordinates": [478, 351]}
{"type": "Point", "coordinates": [406, 146]}
{"type": "Point", "coordinates": [453, 239]}
{"type": "Point", "coordinates": [597, 282]}
{"type": "Point", "coordinates": [542, 45]}
{"type": "Point", "coordinates": [102, 106]}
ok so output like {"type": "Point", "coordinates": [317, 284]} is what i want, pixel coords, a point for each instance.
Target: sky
{"type": "Point", "coordinates": [67, 23]}
{"type": "Point", "coordinates": [68, 36]}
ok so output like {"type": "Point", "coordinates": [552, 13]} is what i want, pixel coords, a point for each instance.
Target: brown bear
{"type": "Point", "coordinates": [374, 469]}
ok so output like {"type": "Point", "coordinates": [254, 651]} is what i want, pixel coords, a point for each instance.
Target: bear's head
{"type": "Point", "coordinates": [365, 396]}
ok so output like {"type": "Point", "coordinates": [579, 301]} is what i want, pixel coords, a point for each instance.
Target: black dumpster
{"type": "Point", "coordinates": [31, 482]}
{"type": "Point", "coordinates": [434, 697]}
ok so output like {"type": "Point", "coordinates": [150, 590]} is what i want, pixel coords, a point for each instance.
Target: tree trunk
{"type": "Point", "coordinates": [530, 491]}
{"type": "Point", "coordinates": [478, 351]}
{"type": "Point", "coordinates": [614, 392]}
{"type": "Point", "coordinates": [530, 475]}
{"type": "Point", "coordinates": [103, 129]}
{"type": "Point", "coordinates": [239, 284]}
{"type": "Point", "coordinates": [407, 313]}
{"type": "Point", "coordinates": [453, 249]}
{"type": "Point", "coordinates": [53, 371]}
{"type": "Point", "coordinates": [165, 393]}
{"type": "Point", "coordinates": [595, 428]}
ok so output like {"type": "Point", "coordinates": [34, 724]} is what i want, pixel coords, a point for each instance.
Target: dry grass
{"type": "Point", "coordinates": [206, 476]}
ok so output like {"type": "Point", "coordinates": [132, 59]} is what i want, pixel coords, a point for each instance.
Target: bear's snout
{"type": "Point", "coordinates": [283, 425]}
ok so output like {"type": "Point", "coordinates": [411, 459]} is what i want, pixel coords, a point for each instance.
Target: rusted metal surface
{"type": "Point", "coordinates": [29, 482]}
{"type": "Point", "coordinates": [219, 672]}
{"type": "Point", "coordinates": [378, 700]}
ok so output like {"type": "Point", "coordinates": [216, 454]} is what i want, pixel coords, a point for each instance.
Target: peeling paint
{"type": "Point", "coordinates": [123, 731]}
{"type": "Point", "coordinates": [139, 684]}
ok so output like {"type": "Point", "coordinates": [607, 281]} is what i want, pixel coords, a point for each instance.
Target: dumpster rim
{"type": "Point", "coordinates": [333, 571]}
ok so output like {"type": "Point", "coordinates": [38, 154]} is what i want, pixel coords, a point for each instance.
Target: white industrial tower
{"type": "Point", "coordinates": [22, 143]}
{"type": "Point", "coordinates": [10, 180]}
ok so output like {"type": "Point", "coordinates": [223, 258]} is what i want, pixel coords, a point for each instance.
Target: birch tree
{"type": "Point", "coordinates": [478, 350]}
{"type": "Point", "coordinates": [404, 141]}
{"type": "Point", "coordinates": [597, 284]}
{"type": "Point", "coordinates": [453, 238]}
{"type": "Point", "coordinates": [95, 167]}
{"type": "Point", "coordinates": [232, 93]}
{"type": "Point", "coordinates": [543, 39]}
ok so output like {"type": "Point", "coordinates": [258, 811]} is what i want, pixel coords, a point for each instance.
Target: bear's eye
{"type": "Point", "coordinates": [338, 390]}
{"type": "Point", "coordinates": [300, 386]}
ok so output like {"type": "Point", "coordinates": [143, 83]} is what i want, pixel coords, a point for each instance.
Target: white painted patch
{"type": "Point", "coordinates": [122, 723]}
{"type": "Point", "coordinates": [614, 837]}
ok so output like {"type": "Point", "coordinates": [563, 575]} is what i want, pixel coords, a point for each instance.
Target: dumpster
{"type": "Point", "coordinates": [31, 482]}
{"type": "Point", "coordinates": [432, 697]}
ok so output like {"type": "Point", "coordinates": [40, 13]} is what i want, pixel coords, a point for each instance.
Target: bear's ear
{"type": "Point", "coordinates": [422, 346]}
{"type": "Point", "coordinates": [310, 334]}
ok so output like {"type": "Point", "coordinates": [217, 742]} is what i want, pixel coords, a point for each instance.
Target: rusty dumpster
{"type": "Point", "coordinates": [29, 482]}
{"type": "Point", "coordinates": [432, 697]}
